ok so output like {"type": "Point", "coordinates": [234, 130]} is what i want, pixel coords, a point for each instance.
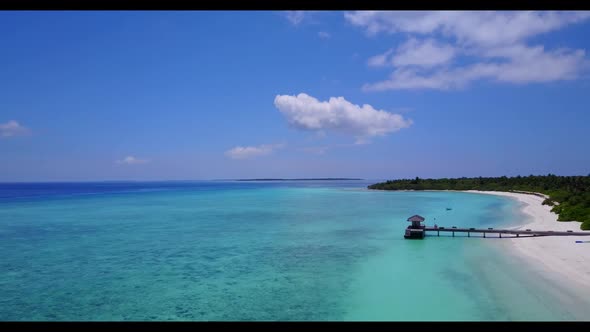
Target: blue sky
{"type": "Point", "coordinates": [210, 95]}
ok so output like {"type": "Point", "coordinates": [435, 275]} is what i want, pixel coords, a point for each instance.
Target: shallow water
{"type": "Point", "coordinates": [257, 251]}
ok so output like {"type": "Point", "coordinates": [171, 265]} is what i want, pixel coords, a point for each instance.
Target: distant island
{"type": "Point", "coordinates": [310, 179]}
{"type": "Point", "coordinates": [569, 195]}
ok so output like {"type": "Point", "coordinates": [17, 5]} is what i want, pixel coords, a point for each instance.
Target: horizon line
{"type": "Point", "coordinates": [281, 179]}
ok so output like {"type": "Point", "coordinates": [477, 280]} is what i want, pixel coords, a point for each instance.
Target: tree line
{"type": "Point", "coordinates": [569, 196]}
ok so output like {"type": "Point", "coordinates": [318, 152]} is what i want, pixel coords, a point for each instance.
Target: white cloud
{"type": "Point", "coordinates": [339, 115]}
{"type": "Point", "coordinates": [131, 160]}
{"type": "Point", "coordinates": [13, 128]}
{"type": "Point", "coordinates": [495, 41]}
{"type": "Point", "coordinates": [480, 27]}
{"type": "Point", "coordinates": [324, 35]}
{"type": "Point", "coordinates": [380, 60]}
{"type": "Point", "coordinates": [534, 65]}
{"type": "Point", "coordinates": [246, 152]}
{"type": "Point", "coordinates": [425, 53]}
{"type": "Point", "coordinates": [295, 16]}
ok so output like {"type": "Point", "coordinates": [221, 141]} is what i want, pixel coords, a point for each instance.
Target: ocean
{"type": "Point", "coordinates": [258, 251]}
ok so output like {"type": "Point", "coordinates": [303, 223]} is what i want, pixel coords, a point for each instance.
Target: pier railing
{"type": "Point", "coordinates": [500, 232]}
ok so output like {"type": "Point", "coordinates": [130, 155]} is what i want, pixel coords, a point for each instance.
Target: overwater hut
{"type": "Point", "coordinates": [416, 229]}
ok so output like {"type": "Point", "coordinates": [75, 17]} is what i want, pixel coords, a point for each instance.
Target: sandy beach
{"type": "Point", "coordinates": [566, 261]}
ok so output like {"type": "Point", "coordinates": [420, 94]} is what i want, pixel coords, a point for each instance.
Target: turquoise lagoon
{"type": "Point", "coordinates": [264, 251]}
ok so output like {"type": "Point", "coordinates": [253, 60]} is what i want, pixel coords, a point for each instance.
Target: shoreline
{"type": "Point", "coordinates": [561, 259]}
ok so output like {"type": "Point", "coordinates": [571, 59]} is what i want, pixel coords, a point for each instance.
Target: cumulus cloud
{"type": "Point", "coordinates": [13, 128]}
{"type": "Point", "coordinates": [324, 34]}
{"type": "Point", "coordinates": [131, 160]}
{"type": "Point", "coordinates": [305, 112]}
{"type": "Point", "coordinates": [495, 42]}
{"type": "Point", "coordinates": [246, 152]}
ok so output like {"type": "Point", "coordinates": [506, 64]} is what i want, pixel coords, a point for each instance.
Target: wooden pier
{"type": "Point", "coordinates": [417, 230]}
{"type": "Point", "coordinates": [500, 232]}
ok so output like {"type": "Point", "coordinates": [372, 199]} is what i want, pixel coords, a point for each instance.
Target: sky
{"type": "Point", "coordinates": [200, 95]}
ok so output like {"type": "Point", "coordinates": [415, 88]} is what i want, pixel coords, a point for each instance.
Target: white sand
{"type": "Point", "coordinates": [561, 257]}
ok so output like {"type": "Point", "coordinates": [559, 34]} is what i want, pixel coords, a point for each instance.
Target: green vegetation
{"type": "Point", "coordinates": [568, 195]}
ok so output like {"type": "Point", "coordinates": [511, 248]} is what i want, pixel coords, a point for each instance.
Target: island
{"type": "Point", "coordinates": [310, 179]}
{"type": "Point", "coordinates": [569, 196]}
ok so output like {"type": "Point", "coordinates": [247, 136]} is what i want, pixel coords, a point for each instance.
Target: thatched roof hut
{"type": "Point", "coordinates": [416, 218]}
